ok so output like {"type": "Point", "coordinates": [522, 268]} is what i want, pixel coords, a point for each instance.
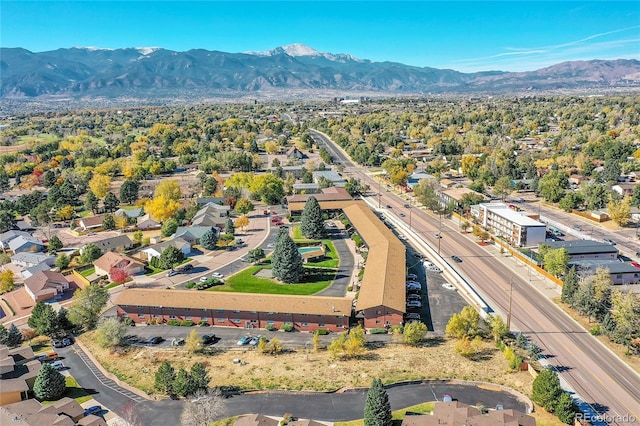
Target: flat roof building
{"type": "Point", "coordinates": [586, 249]}
{"type": "Point", "coordinates": [517, 229]}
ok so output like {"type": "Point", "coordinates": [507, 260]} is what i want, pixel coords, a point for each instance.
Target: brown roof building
{"type": "Point", "coordinates": [18, 371]}
{"type": "Point", "coordinates": [256, 420]}
{"type": "Point", "coordinates": [329, 195]}
{"type": "Point", "coordinates": [45, 285]}
{"type": "Point", "coordinates": [64, 412]}
{"type": "Point", "coordinates": [110, 260]}
{"type": "Point", "coordinates": [456, 413]}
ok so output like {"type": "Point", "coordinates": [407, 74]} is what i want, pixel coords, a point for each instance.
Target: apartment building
{"type": "Point", "coordinates": [516, 228]}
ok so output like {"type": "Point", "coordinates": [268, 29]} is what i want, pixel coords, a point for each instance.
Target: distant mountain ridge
{"type": "Point", "coordinates": [153, 72]}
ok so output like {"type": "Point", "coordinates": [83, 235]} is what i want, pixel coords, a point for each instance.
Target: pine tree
{"type": "Point", "coordinates": [55, 244]}
{"type": "Point", "coordinates": [209, 239]}
{"type": "Point", "coordinates": [200, 377]}
{"type": "Point", "coordinates": [108, 223]}
{"type": "Point", "coordinates": [229, 228]}
{"type": "Point", "coordinates": [566, 408]}
{"type": "Point", "coordinates": [50, 385]}
{"type": "Point", "coordinates": [14, 337]}
{"type": "Point", "coordinates": [3, 334]}
{"type": "Point", "coordinates": [183, 385]}
{"type": "Point", "coordinates": [546, 389]}
{"type": "Point", "coordinates": [312, 225]}
{"type": "Point", "coordinates": [165, 376]}
{"type": "Point", "coordinates": [569, 286]}
{"type": "Point", "coordinates": [286, 260]}
{"type": "Point", "coordinates": [377, 410]}
{"type": "Point", "coordinates": [43, 319]}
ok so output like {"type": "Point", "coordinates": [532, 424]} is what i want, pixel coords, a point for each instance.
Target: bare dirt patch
{"type": "Point", "coordinates": [315, 371]}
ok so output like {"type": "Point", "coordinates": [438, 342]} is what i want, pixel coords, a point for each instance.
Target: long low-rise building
{"type": "Point", "coordinates": [586, 250]}
{"type": "Point", "coordinates": [516, 228]}
{"type": "Point", "coordinates": [381, 299]}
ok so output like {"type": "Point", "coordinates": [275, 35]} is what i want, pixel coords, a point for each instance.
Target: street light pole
{"type": "Point", "coordinates": [410, 218]}
{"type": "Point", "coordinates": [439, 231]}
{"type": "Point", "coordinates": [510, 301]}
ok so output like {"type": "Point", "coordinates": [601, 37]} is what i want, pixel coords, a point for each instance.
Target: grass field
{"type": "Point", "coordinates": [73, 391]}
{"type": "Point", "coordinates": [246, 282]}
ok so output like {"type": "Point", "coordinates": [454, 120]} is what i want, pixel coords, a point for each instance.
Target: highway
{"type": "Point", "coordinates": [607, 384]}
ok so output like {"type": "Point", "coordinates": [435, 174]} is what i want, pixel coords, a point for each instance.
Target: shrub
{"type": "Point", "coordinates": [190, 285]}
{"type": "Point", "coordinates": [286, 327]}
{"type": "Point", "coordinates": [128, 321]}
{"type": "Point", "coordinates": [595, 330]}
{"type": "Point", "coordinates": [397, 327]}
{"type": "Point", "coordinates": [378, 331]}
{"type": "Point", "coordinates": [270, 327]}
{"type": "Point", "coordinates": [186, 323]}
{"type": "Point", "coordinates": [203, 323]}
{"type": "Point", "coordinates": [173, 322]}
{"type": "Point", "coordinates": [322, 332]}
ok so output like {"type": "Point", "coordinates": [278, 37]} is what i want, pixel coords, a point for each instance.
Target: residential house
{"type": "Point", "coordinates": [620, 272]}
{"type": "Point", "coordinates": [447, 183]}
{"type": "Point", "coordinates": [45, 285]}
{"type": "Point", "coordinates": [256, 420]}
{"type": "Point", "coordinates": [43, 266]}
{"type": "Point", "coordinates": [306, 188]}
{"type": "Point", "coordinates": [516, 228]}
{"type": "Point", "coordinates": [118, 243]}
{"type": "Point", "coordinates": [211, 215]}
{"type": "Point", "coordinates": [294, 152]}
{"type": "Point", "coordinates": [456, 413]}
{"type": "Point", "coordinates": [6, 237]}
{"type": "Point", "coordinates": [27, 259]}
{"type": "Point", "coordinates": [146, 222]}
{"type": "Point", "coordinates": [110, 260]}
{"type": "Point", "coordinates": [90, 223]}
{"type": "Point", "coordinates": [624, 189]}
{"type": "Point", "coordinates": [333, 177]}
{"type": "Point", "coordinates": [206, 200]}
{"type": "Point", "coordinates": [64, 412]}
{"type": "Point", "coordinates": [193, 234]}
{"type": "Point", "coordinates": [296, 171]}
{"type": "Point", "coordinates": [455, 196]}
{"type": "Point", "coordinates": [157, 249]}
{"type": "Point", "coordinates": [18, 371]}
{"type": "Point", "coordinates": [416, 177]}
{"type": "Point", "coordinates": [24, 243]}
{"type": "Point", "coordinates": [129, 213]}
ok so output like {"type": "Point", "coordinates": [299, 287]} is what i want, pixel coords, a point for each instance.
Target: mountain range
{"type": "Point", "coordinates": [156, 73]}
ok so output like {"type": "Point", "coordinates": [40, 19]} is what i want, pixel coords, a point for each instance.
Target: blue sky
{"type": "Point", "coordinates": [461, 35]}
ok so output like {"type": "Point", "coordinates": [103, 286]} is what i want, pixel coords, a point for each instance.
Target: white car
{"type": "Point", "coordinates": [414, 304]}
{"type": "Point", "coordinates": [433, 268]}
{"type": "Point", "coordinates": [427, 264]}
{"type": "Point", "coordinates": [203, 279]}
{"type": "Point", "coordinates": [217, 275]}
{"type": "Point", "coordinates": [172, 273]}
{"type": "Point", "coordinates": [412, 277]}
{"type": "Point", "coordinates": [413, 287]}
{"type": "Point", "coordinates": [271, 245]}
{"type": "Point", "coordinates": [414, 297]}
{"type": "Point", "coordinates": [448, 286]}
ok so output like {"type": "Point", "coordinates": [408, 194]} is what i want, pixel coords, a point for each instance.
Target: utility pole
{"type": "Point", "coordinates": [439, 231]}
{"type": "Point", "coordinates": [410, 218]}
{"type": "Point", "coordinates": [510, 301]}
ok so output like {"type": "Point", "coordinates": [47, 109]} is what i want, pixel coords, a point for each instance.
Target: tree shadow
{"type": "Point", "coordinates": [432, 342]}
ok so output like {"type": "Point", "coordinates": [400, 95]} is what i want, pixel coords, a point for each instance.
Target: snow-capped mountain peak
{"type": "Point", "coordinates": [299, 49]}
{"type": "Point", "coordinates": [147, 50]}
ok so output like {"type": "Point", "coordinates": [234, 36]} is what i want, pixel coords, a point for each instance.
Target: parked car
{"type": "Point", "coordinates": [254, 340]}
{"type": "Point", "coordinates": [433, 269]}
{"type": "Point", "coordinates": [57, 344]}
{"type": "Point", "coordinates": [437, 235]}
{"type": "Point", "coordinates": [456, 259]}
{"type": "Point", "coordinates": [187, 267]}
{"type": "Point", "coordinates": [49, 356]}
{"type": "Point", "coordinates": [413, 316]}
{"type": "Point", "coordinates": [94, 409]}
{"type": "Point", "coordinates": [208, 339]}
{"type": "Point", "coordinates": [271, 245]}
{"type": "Point", "coordinates": [67, 341]}
{"type": "Point", "coordinates": [577, 227]}
{"type": "Point", "coordinates": [178, 341]}
{"type": "Point", "coordinates": [414, 297]}
{"type": "Point", "coordinates": [407, 206]}
{"type": "Point", "coordinates": [172, 273]}
{"type": "Point", "coordinates": [58, 365]}
{"type": "Point", "coordinates": [401, 214]}
{"type": "Point", "coordinates": [448, 286]}
{"type": "Point", "coordinates": [388, 206]}
{"type": "Point", "coordinates": [447, 398]}
{"type": "Point", "coordinates": [155, 340]}
{"type": "Point", "coordinates": [217, 275]}
{"type": "Point", "coordinates": [412, 277]}
{"type": "Point", "coordinates": [203, 279]}
{"type": "Point", "coordinates": [414, 287]}
{"type": "Point", "coordinates": [244, 340]}
{"type": "Point", "coordinates": [414, 304]}
{"type": "Point", "coordinates": [609, 241]}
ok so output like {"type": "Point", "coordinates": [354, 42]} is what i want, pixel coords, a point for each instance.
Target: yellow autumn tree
{"type": "Point", "coordinates": [65, 213]}
{"type": "Point", "coordinates": [162, 208]}
{"type": "Point", "coordinates": [242, 222]}
{"type": "Point", "coordinates": [99, 185]}
{"type": "Point", "coordinates": [169, 189]}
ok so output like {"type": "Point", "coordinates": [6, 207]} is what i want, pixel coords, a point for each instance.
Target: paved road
{"type": "Point", "coordinates": [347, 405]}
{"type": "Point", "coordinates": [603, 380]}
{"type": "Point", "coordinates": [345, 269]}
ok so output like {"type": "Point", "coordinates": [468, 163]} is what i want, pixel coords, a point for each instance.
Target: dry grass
{"type": "Point", "coordinates": [315, 371]}
{"type": "Point", "coordinates": [619, 350]}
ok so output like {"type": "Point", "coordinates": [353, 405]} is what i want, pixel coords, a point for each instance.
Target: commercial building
{"type": "Point", "coordinates": [516, 228]}
{"type": "Point", "coordinates": [586, 250]}
{"type": "Point", "coordinates": [620, 272]}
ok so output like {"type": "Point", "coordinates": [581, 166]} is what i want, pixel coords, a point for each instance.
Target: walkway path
{"type": "Point", "coordinates": [345, 269]}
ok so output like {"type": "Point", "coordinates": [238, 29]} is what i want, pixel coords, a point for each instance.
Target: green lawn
{"type": "Point", "coordinates": [331, 259]}
{"type": "Point", "coordinates": [88, 272]}
{"type": "Point", "coordinates": [245, 281]}
{"type": "Point", "coordinates": [398, 415]}
{"type": "Point", "coordinates": [73, 391]}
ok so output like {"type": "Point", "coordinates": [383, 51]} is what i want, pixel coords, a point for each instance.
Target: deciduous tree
{"type": "Point", "coordinates": [414, 333]}
{"type": "Point", "coordinates": [6, 281]}
{"type": "Point", "coordinates": [244, 206]}
{"type": "Point", "coordinates": [99, 185]}
{"type": "Point", "coordinates": [465, 323]}
{"type": "Point", "coordinates": [87, 305]}
{"type": "Point", "coordinates": [162, 208]}
{"type": "Point", "coordinates": [203, 409]}
{"type": "Point", "coordinates": [111, 332]}
{"type": "Point", "coordinates": [168, 189]}
{"type": "Point", "coordinates": [255, 255]}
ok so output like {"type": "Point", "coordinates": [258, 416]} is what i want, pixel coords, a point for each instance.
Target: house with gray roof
{"type": "Point", "coordinates": [129, 213]}
{"type": "Point", "coordinates": [157, 249]}
{"type": "Point", "coordinates": [586, 250]}
{"type": "Point", "coordinates": [620, 272]}
{"type": "Point", "coordinates": [331, 176]}
{"type": "Point", "coordinates": [192, 234]}
{"type": "Point", "coordinates": [211, 215]}
{"type": "Point", "coordinates": [43, 266]}
{"type": "Point", "coordinates": [28, 259]}
{"type": "Point", "coordinates": [25, 243]}
{"type": "Point", "coordinates": [12, 234]}
{"type": "Point", "coordinates": [118, 243]}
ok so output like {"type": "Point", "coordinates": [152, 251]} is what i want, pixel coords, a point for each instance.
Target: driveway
{"type": "Point", "coordinates": [345, 269]}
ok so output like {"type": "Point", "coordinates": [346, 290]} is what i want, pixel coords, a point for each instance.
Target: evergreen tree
{"type": "Point", "coordinates": [63, 323]}
{"type": "Point", "coordinates": [200, 377]}
{"type": "Point", "coordinates": [377, 410]}
{"type": "Point", "coordinates": [129, 191]}
{"type": "Point", "coordinates": [312, 225]}
{"type": "Point", "coordinates": [90, 252]}
{"type": "Point", "coordinates": [286, 260]}
{"type": "Point", "coordinates": [183, 385]}
{"type": "Point", "coordinates": [111, 202]}
{"type": "Point", "coordinates": [62, 261]}
{"type": "Point", "coordinates": [170, 257]}
{"type": "Point", "coordinates": [209, 239]}
{"type": "Point", "coordinates": [44, 319]}
{"type": "Point", "coordinates": [50, 385]}
{"type": "Point", "coordinates": [169, 227]}
{"type": "Point", "coordinates": [165, 376]}
{"type": "Point", "coordinates": [108, 223]}
{"type": "Point", "coordinates": [55, 244]}
{"type": "Point", "coordinates": [569, 286]}
{"type": "Point", "coordinates": [91, 201]}
{"type": "Point", "coordinates": [566, 408]}
{"type": "Point", "coordinates": [546, 389]}
{"type": "Point", "coordinates": [229, 228]}
{"type": "Point", "coordinates": [14, 337]}
{"type": "Point", "coordinates": [4, 334]}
